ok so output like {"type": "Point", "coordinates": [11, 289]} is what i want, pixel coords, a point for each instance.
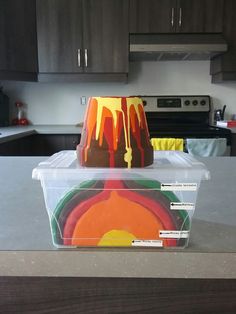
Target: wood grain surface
{"type": "Point", "coordinates": [18, 48]}
{"type": "Point", "coordinates": [116, 295]}
{"type": "Point", "coordinates": [163, 16]}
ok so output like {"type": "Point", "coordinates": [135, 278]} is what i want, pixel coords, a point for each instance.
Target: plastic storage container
{"type": "Point", "coordinates": [150, 206]}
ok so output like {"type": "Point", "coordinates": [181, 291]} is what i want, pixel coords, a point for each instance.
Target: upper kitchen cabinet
{"type": "Point", "coordinates": [18, 49]}
{"type": "Point", "coordinates": [171, 16]}
{"type": "Point", "coordinates": [223, 68]}
{"type": "Point", "coordinates": [199, 16]}
{"type": "Point", "coordinates": [59, 30]}
{"type": "Point", "coordinates": [105, 25]}
{"type": "Point", "coordinates": [152, 16]}
{"type": "Point", "coordinates": [84, 39]}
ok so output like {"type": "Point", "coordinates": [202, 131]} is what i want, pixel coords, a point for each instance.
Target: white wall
{"type": "Point", "coordinates": [59, 103]}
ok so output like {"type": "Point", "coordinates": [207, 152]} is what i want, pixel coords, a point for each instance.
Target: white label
{"type": "Point", "coordinates": [179, 187]}
{"type": "Point", "coordinates": [174, 234]}
{"type": "Point", "coordinates": [179, 205]}
{"type": "Point", "coordinates": [154, 243]}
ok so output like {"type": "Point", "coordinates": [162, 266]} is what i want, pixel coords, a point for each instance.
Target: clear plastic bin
{"type": "Point", "coordinates": [147, 207]}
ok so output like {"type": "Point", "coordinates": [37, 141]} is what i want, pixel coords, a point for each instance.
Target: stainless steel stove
{"type": "Point", "coordinates": [182, 117]}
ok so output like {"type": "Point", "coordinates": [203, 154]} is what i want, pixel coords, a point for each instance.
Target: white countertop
{"type": "Point", "coordinates": [14, 132]}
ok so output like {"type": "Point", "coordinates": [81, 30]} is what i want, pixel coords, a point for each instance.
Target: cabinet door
{"type": "Point", "coordinates": [233, 144]}
{"type": "Point", "coordinates": [223, 68]}
{"type": "Point", "coordinates": [105, 36]}
{"type": "Point", "coordinates": [19, 147]}
{"type": "Point", "coordinates": [49, 144]}
{"type": "Point", "coordinates": [152, 16]}
{"type": "Point", "coordinates": [18, 50]}
{"type": "Point", "coordinates": [59, 26]}
{"type": "Point", "coordinates": [200, 16]}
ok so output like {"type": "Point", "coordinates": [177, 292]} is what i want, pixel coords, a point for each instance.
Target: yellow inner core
{"type": "Point", "coordinates": [117, 238]}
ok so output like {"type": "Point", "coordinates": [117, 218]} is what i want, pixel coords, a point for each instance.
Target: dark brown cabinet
{"type": "Point", "coordinates": [64, 40]}
{"type": "Point", "coordinates": [105, 36]}
{"type": "Point", "coordinates": [223, 68]}
{"type": "Point", "coordinates": [19, 147]}
{"type": "Point", "coordinates": [152, 16]}
{"type": "Point", "coordinates": [233, 144]}
{"type": "Point", "coordinates": [39, 145]}
{"type": "Point", "coordinates": [49, 144]}
{"type": "Point", "coordinates": [59, 31]}
{"type": "Point", "coordinates": [18, 48]}
{"type": "Point", "coordinates": [181, 16]}
{"type": "Point", "coordinates": [82, 36]}
{"type": "Point", "coordinates": [200, 16]}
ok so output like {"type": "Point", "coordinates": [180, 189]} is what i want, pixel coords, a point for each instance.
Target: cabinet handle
{"type": "Point", "coordinates": [86, 57]}
{"type": "Point", "coordinates": [79, 58]}
{"type": "Point", "coordinates": [172, 16]}
{"type": "Point", "coordinates": [180, 16]}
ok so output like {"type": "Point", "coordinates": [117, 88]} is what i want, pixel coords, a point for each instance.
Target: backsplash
{"type": "Point", "coordinates": [60, 103]}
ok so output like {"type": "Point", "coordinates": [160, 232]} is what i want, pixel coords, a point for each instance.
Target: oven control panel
{"type": "Point", "coordinates": [177, 103]}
